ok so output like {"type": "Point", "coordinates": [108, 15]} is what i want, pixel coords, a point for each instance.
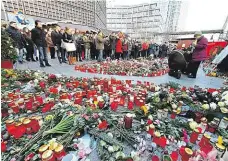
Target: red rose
{"type": "Point", "coordinates": [29, 157]}
{"type": "Point", "coordinates": [103, 125]}
{"type": "Point", "coordinates": [3, 146]}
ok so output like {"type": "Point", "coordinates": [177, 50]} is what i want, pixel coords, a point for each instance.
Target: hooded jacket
{"type": "Point", "coordinates": [199, 53]}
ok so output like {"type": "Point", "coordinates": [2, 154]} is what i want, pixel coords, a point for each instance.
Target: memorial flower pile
{"type": "Point", "coordinates": [52, 117]}
{"type": "Point", "coordinates": [140, 67]}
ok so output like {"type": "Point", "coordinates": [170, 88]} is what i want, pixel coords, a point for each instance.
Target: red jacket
{"type": "Point", "coordinates": [144, 46]}
{"type": "Point", "coordinates": [119, 46]}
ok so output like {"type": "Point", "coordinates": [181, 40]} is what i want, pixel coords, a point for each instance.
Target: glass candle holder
{"type": "Point", "coordinates": [42, 149]}
{"type": "Point", "coordinates": [194, 136]}
{"type": "Point", "coordinates": [114, 105]}
{"type": "Point", "coordinates": [26, 123]}
{"type": "Point", "coordinates": [206, 148]}
{"type": "Point", "coordinates": [159, 114]}
{"type": "Point", "coordinates": [220, 150]}
{"type": "Point", "coordinates": [20, 130]}
{"type": "Point", "coordinates": [10, 126]}
{"type": "Point", "coordinates": [48, 155]}
{"type": "Point", "coordinates": [187, 154]}
{"type": "Point", "coordinates": [205, 140]}
{"type": "Point", "coordinates": [34, 124]}
{"type": "Point", "coordinates": [130, 105]}
{"type": "Point", "coordinates": [165, 113]}
{"type": "Point", "coordinates": [128, 121]}
{"type": "Point", "coordinates": [15, 109]}
{"type": "Point", "coordinates": [59, 152]}
{"type": "Point", "coordinates": [212, 127]}
{"type": "Point", "coordinates": [122, 101]}
{"type": "Point", "coordinates": [78, 101]}
{"type": "Point", "coordinates": [224, 123]}
{"type": "Point", "coordinates": [28, 105]}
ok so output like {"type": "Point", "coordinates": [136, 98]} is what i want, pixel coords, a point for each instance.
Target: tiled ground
{"type": "Point", "coordinates": [68, 70]}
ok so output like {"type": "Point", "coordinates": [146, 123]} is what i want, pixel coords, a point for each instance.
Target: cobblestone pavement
{"type": "Point", "coordinates": [68, 70]}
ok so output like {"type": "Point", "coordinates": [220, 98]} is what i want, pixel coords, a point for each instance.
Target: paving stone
{"type": "Point", "coordinates": [68, 70]}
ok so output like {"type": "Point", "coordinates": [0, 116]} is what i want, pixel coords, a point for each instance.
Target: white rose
{"type": "Point", "coordinates": [221, 104]}
{"type": "Point", "coordinates": [110, 149]}
{"type": "Point", "coordinates": [213, 105]}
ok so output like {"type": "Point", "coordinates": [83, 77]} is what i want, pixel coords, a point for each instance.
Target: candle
{"type": "Point", "coordinates": [130, 105]}
{"type": "Point", "coordinates": [101, 104]}
{"type": "Point", "coordinates": [159, 114]}
{"type": "Point", "coordinates": [128, 121]}
{"type": "Point", "coordinates": [26, 123]}
{"type": "Point", "coordinates": [187, 154]}
{"type": "Point", "coordinates": [205, 139]}
{"type": "Point", "coordinates": [28, 104]}
{"type": "Point", "coordinates": [42, 149]}
{"type": "Point", "coordinates": [194, 136]}
{"type": "Point", "coordinates": [122, 101]}
{"type": "Point", "coordinates": [212, 127]}
{"type": "Point", "coordinates": [48, 155]}
{"type": "Point", "coordinates": [223, 123]}
{"type": "Point", "coordinates": [20, 130]}
{"type": "Point", "coordinates": [206, 148]}
{"type": "Point", "coordinates": [15, 109]}
{"type": "Point", "coordinates": [221, 150]}
{"type": "Point", "coordinates": [59, 152]}
{"type": "Point", "coordinates": [10, 126]}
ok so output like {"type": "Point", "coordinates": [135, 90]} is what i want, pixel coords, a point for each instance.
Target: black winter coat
{"type": "Point", "coordinates": [67, 38]}
{"type": "Point", "coordinates": [38, 37]}
{"type": "Point", "coordinates": [56, 38]}
{"type": "Point", "coordinates": [18, 40]}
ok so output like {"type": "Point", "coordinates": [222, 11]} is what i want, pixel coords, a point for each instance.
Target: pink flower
{"type": "Point", "coordinates": [95, 115]}
{"type": "Point", "coordinates": [29, 136]}
{"type": "Point", "coordinates": [81, 154]}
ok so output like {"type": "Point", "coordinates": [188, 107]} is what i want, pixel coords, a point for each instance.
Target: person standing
{"type": "Point", "coordinates": [68, 38]}
{"type": "Point", "coordinates": [50, 43]}
{"type": "Point", "coordinates": [125, 48]}
{"type": "Point", "coordinates": [56, 38]}
{"type": "Point", "coordinates": [29, 46]}
{"type": "Point", "coordinates": [199, 54]}
{"type": "Point", "coordinates": [144, 49]}
{"type": "Point", "coordinates": [129, 48]}
{"type": "Point", "coordinates": [112, 39]}
{"type": "Point", "coordinates": [79, 42]}
{"type": "Point", "coordinates": [38, 37]}
{"type": "Point", "coordinates": [119, 46]}
{"type": "Point", "coordinates": [87, 40]}
{"type": "Point", "coordinates": [164, 50]}
{"type": "Point", "coordinates": [19, 42]}
{"type": "Point", "coordinates": [100, 45]}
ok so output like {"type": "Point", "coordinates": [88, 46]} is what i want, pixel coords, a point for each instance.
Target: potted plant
{"type": "Point", "coordinates": [8, 52]}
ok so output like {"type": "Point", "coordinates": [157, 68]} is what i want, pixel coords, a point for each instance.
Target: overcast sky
{"type": "Point", "coordinates": [201, 14]}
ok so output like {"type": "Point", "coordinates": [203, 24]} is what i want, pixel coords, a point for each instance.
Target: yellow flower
{"type": "Point", "coordinates": [49, 117]}
{"type": "Point", "coordinates": [52, 144]}
{"type": "Point", "coordinates": [145, 109]}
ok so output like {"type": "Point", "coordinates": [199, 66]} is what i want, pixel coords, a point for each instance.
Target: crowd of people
{"type": "Point", "coordinates": [70, 45]}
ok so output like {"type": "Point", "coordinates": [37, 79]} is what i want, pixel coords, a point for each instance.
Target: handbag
{"type": "Point", "coordinates": [69, 47]}
{"type": "Point", "coordinates": [63, 44]}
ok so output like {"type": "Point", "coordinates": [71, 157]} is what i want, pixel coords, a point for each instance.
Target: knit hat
{"type": "Point", "coordinates": [197, 33]}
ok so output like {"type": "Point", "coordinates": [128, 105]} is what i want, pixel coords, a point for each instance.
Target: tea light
{"type": "Point", "coordinates": [48, 155]}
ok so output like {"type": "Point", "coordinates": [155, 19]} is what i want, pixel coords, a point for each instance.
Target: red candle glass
{"type": "Point", "coordinates": [39, 99]}
{"type": "Point", "coordinates": [48, 155]}
{"type": "Point", "coordinates": [194, 136]}
{"type": "Point", "coordinates": [78, 101]}
{"type": "Point", "coordinates": [130, 105]}
{"type": "Point", "coordinates": [114, 105]}
{"type": "Point", "coordinates": [15, 109]}
{"type": "Point", "coordinates": [26, 123]}
{"type": "Point", "coordinates": [122, 101]}
{"type": "Point", "coordinates": [10, 126]}
{"type": "Point", "coordinates": [206, 148]}
{"type": "Point", "coordinates": [28, 105]}
{"type": "Point", "coordinates": [162, 142]}
{"type": "Point", "coordinates": [205, 140]}
{"type": "Point", "coordinates": [42, 149]}
{"type": "Point", "coordinates": [101, 104]}
{"type": "Point", "coordinates": [20, 130]}
{"type": "Point", "coordinates": [34, 125]}
{"type": "Point", "coordinates": [59, 152]}
{"type": "Point", "coordinates": [128, 121]}
{"type": "Point", "coordinates": [185, 156]}
{"type": "Point", "coordinates": [174, 156]}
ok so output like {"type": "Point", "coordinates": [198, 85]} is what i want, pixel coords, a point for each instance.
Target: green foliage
{"type": "Point", "coordinates": [8, 52]}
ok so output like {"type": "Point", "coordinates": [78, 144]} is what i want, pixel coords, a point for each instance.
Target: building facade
{"type": "Point", "coordinates": [141, 21]}
{"type": "Point", "coordinates": [86, 12]}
